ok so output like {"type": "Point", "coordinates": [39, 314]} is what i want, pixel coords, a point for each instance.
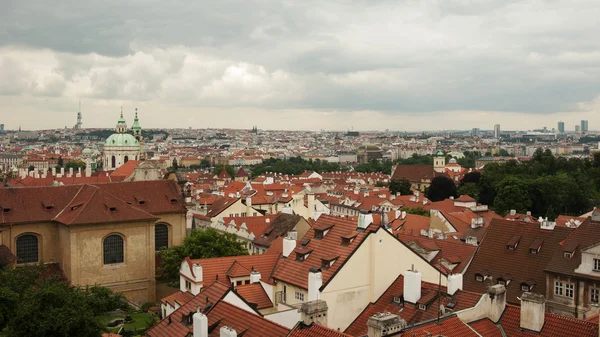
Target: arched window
{"type": "Point", "coordinates": [27, 248]}
{"type": "Point", "coordinates": [126, 159]}
{"type": "Point", "coordinates": [113, 249]}
{"type": "Point", "coordinates": [114, 162]}
{"type": "Point", "coordinates": [161, 236]}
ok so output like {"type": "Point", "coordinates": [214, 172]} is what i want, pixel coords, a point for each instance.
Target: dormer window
{"type": "Point", "coordinates": [502, 281]}
{"type": "Point", "coordinates": [568, 255]}
{"type": "Point", "coordinates": [112, 209]}
{"type": "Point", "coordinates": [479, 278]}
{"type": "Point", "coordinates": [75, 207]}
{"type": "Point", "coordinates": [525, 287]}
{"type": "Point", "coordinates": [302, 254]}
{"type": "Point", "coordinates": [348, 238]}
{"type": "Point", "coordinates": [422, 307]}
{"type": "Point", "coordinates": [536, 246]}
{"type": "Point", "coordinates": [398, 299]}
{"type": "Point", "coordinates": [318, 234]}
{"type": "Point", "coordinates": [328, 261]}
{"type": "Point", "coordinates": [48, 205]}
{"type": "Point", "coordinates": [513, 242]}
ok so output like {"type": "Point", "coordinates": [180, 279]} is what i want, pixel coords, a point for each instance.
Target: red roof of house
{"type": "Point", "coordinates": [222, 268]}
{"type": "Point", "coordinates": [224, 174]}
{"type": "Point", "coordinates": [254, 293]}
{"type": "Point", "coordinates": [486, 328]}
{"type": "Point", "coordinates": [554, 325]}
{"type": "Point", "coordinates": [180, 297]}
{"type": "Point", "coordinates": [219, 205]}
{"type": "Point", "coordinates": [414, 173]}
{"type": "Point", "coordinates": [315, 330]}
{"type": "Point", "coordinates": [6, 256]}
{"type": "Point", "coordinates": [296, 272]}
{"type": "Point", "coordinates": [125, 170]}
{"type": "Point", "coordinates": [456, 253]}
{"type": "Point", "coordinates": [450, 326]}
{"type": "Point", "coordinates": [495, 259]}
{"type": "Point", "coordinates": [241, 173]}
{"type": "Point", "coordinates": [410, 312]}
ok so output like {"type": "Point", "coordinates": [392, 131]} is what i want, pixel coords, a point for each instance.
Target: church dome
{"type": "Point", "coordinates": [87, 151]}
{"type": "Point", "coordinates": [121, 139]}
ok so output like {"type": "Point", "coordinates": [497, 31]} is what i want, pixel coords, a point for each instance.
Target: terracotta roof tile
{"type": "Point", "coordinates": [447, 327]}
{"type": "Point", "coordinates": [554, 325]}
{"type": "Point", "coordinates": [496, 259]}
{"type": "Point", "coordinates": [6, 256]}
{"type": "Point", "coordinates": [486, 328]}
{"type": "Point", "coordinates": [219, 267]}
{"type": "Point", "coordinates": [254, 293]}
{"type": "Point", "coordinates": [315, 330]}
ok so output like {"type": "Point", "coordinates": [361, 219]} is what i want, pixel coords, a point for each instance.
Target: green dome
{"type": "Point", "coordinates": [121, 139]}
{"type": "Point", "coordinates": [87, 150]}
{"type": "Point", "coordinates": [440, 153]}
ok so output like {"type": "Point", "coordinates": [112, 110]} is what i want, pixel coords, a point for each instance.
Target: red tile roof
{"type": "Point", "coordinates": [414, 173]}
{"type": "Point", "coordinates": [278, 227]}
{"type": "Point", "coordinates": [586, 235]}
{"type": "Point", "coordinates": [6, 256]}
{"type": "Point", "coordinates": [486, 328]}
{"type": "Point", "coordinates": [180, 297]}
{"type": "Point", "coordinates": [296, 272]}
{"type": "Point", "coordinates": [221, 267]}
{"type": "Point", "coordinates": [254, 293]}
{"type": "Point", "coordinates": [315, 330]}
{"type": "Point", "coordinates": [447, 327]}
{"type": "Point", "coordinates": [125, 170]}
{"type": "Point", "coordinates": [410, 313]}
{"type": "Point", "coordinates": [554, 325]}
{"type": "Point", "coordinates": [453, 252]}
{"type": "Point", "coordinates": [219, 205]}
{"type": "Point", "coordinates": [495, 259]}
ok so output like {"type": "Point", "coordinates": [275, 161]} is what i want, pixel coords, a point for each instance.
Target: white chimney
{"type": "Point", "coordinates": [54, 171]}
{"type": "Point", "coordinates": [254, 277]}
{"type": "Point", "coordinates": [403, 215]}
{"type": "Point", "coordinates": [533, 307]}
{"type": "Point", "coordinates": [249, 206]}
{"type": "Point", "coordinates": [513, 212]}
{"type": "Point", "coordinates": [200, 325]}
{"type": "Point", "coordinates": [311, 206]}
{"type": "Point", "coordinates": [70, 171]}
{"type": "Point", "coordinates": [79, 172]}
{"type": "Point", "coordinates": [412, 286]}
{"type": "Point", "coordinates": [227, 331]}
{"type": "Point", "coordinates": [455, 283]}
{"type": "Point", "coordinates": [289, 245]}
{"type": "Point", "coordinates": [197, 272]}
{"type": "Point", "coordinates": [315, 281]}
{"type": "Point", "coordinates": [62, 171]}
{"type": "Point", "coordinates": [364, 220]}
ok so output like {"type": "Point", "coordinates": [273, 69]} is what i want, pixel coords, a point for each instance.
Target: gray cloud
{"type": "Point", "coordinates": [395, 57]}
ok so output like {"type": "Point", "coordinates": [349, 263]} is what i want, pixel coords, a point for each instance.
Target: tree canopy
{"type": "Point", "coordinates": [294, 166]}
{"type": "Point", "coordinates": [441, 188]}
{"type": "Point", "coordinates": [35, 303]}
{"type": "Point", "coordinates": [200, 244]}
{"type": "Point", "coordinates": [401, 185]}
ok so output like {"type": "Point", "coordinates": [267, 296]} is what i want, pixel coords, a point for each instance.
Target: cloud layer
{"type": "Point", "coordinates": [402, 65]}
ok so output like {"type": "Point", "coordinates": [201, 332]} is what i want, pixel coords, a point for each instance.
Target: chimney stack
{"type": "Point", "coordinates": [315, 281]}
{"type": "Point", "coordinates": [200, 325]}
{"type": "Point", "coordinates": [455, 283]}
{"type": "Point", "coordinates": [227, 331]}
{"type": "Point", "coordinates": [254, 277]}
{"type": "Point", "coordinates": [311, 206]}
{"type": "Point", "coordinates": [412, 286]}
{"type": "Point", "coordinates": [533, 307]}
{"type": "Point", "coordinates": [249, 206]}
{"type": "Point", "coordinates": [364, 220]}
{"type": "Point", "coordinates": [383, 324]}
{"type": "Point", "coordinates": [314, 312]}
{"type": "Point", "coordinates": [289, 245]}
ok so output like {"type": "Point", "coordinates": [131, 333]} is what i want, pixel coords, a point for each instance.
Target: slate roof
{"type": "Point", "coordinates": [584, 236]}
{"type": "Point", "coordinates": [493, 257]}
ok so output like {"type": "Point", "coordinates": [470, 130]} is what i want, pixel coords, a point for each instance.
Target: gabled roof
{"type": "Point", "coordinates": [496, 259]}
{"type": "Point", "coordinates": [254, 293]}
{"type": "Point", "coordinates": [453, 252]}
{"type": "Point", "coordinates": [414, 173]}
{"type": "Point", "coordinates": [219, 205]}
{"type": "Point", "coordinates": [241, 173]}
{"type": "Point", "coordinates": [93, 205]}
{"type": "Point", "coordinates": [587, 234]}
{"type": "Point", "coordinates": [315, 330]}
{"type": "Point", "coordinates": [410, 313]}
{"type": "Point", "coordinates": [235, 266]}
{"type": "Point", "coordinates": [224, 174]}
{"type": "Point", "coordinates": [180, 298]}
{"type": "Point", "coordinates": [296, 272]}
{"type": "Point", "coordinates": [282, 224]}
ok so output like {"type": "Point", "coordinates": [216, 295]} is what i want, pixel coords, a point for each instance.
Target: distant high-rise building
{"type": "Point", "coordinates": [78, 125]}
{"type": "Point", "coordinates": [475, 131]}
{"type": "Point", "coordinates": [584, 125]}
{"type": "Point", "coordinates": [1, 127]}
{"type": "Point", "coordinates": [577, 128]}
{"type": "Point", "coordinates": [497, 131]}
{"type": "Point", "coordinates": [561, 127]}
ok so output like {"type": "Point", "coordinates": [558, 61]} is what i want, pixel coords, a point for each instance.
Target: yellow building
{"type": "Point", "coordinates": [104, 234]}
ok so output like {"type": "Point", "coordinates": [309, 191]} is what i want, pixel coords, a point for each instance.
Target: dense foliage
{"type": "Point", "coordinates": [441, 188]}
{"type": "Point", "coordinates": [294, 165]}
{"type": "Point", "coordinates": [200, 244]}
{"type": "Point", "coordinates": [401, 185]}
{"type": "Point", "coordinates": [545, 185]}
{"type": "Point", "coordinates": [35, 303]}
{"type": "Point", "coordinates": [416, 210]}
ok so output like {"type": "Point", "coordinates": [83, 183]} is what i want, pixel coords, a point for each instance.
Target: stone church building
{"type": "Point", "coordinates": [105, 234]}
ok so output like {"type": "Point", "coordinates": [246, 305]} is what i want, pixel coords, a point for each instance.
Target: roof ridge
{"type": "Point", "coordinates": [72, 199]}
{"type": "Point", "coordinates": [88, 201]}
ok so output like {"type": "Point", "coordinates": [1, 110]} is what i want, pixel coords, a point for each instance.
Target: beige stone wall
{"type": "Point", "coordinates": [47, 237]}
{"type": "Point", "coordinates": [134, 277]}
{"type": "Point", "coordinates": [177, 229]}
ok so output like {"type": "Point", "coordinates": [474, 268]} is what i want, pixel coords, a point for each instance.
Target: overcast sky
{"type": "Point", "coordinates": [301, 64]}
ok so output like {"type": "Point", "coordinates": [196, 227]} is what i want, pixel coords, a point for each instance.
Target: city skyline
{"type": "Point", "coordinates": [407, 66]}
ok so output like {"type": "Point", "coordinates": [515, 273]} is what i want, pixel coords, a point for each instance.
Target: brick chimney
{"type": "Point", "coordinates": [533, 307]}
{"type": "Point", "coordinates": [383, 324]}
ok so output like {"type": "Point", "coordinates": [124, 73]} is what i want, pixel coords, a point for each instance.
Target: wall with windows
{"type": "Point", "coordinates": [47, 234]}
{"type": "Point", "coordinates": [91, 264]}
{"type": "Point", "coordinates": [563, 292]}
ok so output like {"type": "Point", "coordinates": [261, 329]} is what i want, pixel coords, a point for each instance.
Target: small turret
{"type": "Point", "coordinates": [136, 128]}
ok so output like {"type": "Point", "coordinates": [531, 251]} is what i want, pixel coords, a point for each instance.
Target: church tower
{"type": "Point", "coordinates": [121, 124]}
{"type": "Point", "coordinates": [136, 129]}
{"type": "Point", "coordinates": [439, 162]}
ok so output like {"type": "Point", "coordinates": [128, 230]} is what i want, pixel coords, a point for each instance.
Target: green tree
{"type": "Point", "coordinates": [204, 163]}
{"type": "Point", "coordinates": [31, 168]}
{"type": "Point", "coordinates": [218, 168]}
{"type": "Point", "coordinates": [75, 164]}
{"type": "Point", "coordinates": [53, 308]}
{"type": "Point", "coordinates": [200, 244]}
{"type": "Point", "coordinates": [416, 210]}
{"type": "Point", "coordinates": [441, 188]}
{"type": "Point", "coordinates": [401, 185]}
{"type": "Point", "coordinates": [470, 189]}
{"type": "Point", "coordinates": [174, 164]}
{"type": "Point", "coordinates": [60, 162]}
{"type": "Point", "coordinates": [512, 194]}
